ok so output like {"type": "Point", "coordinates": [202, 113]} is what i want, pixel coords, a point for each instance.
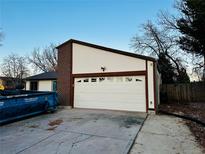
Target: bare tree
{"type": "Point", "coordinates": [188, 25]}
{"type": "Point", "coordinates": [157, 41]}
{"type": "Point", "coordinates": [168, 21]}
{"type": "Point", "coordinates": [14, 67]}
{"type": "Point", "coordinates": [44, 60]}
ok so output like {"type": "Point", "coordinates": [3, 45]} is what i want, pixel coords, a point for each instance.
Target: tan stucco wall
{"type": "Point", "coordinates": [90, 60]}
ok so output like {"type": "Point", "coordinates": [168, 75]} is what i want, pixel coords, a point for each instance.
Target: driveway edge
{"type": "Point", "coordinates": [131, 142]}
{"type": "Point", "coordinates": [187, 117]}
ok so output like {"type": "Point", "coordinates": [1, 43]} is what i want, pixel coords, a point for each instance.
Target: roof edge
{"type": "Point", "coordinates": [39, 77]}
{"type": "Point", "coordinates": [107, 49]}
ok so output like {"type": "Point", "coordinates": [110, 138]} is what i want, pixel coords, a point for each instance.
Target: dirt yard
{"type": "Point", "coordinates": [195, 110]}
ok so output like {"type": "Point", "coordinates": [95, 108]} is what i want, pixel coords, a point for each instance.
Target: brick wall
{"type": "Point", "coordinates": [64, 74]}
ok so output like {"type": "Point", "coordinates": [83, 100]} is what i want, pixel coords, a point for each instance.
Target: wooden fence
{"type": "Point", "coordinates": [189, 92]}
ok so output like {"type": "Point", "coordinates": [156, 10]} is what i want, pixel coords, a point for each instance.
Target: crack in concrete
{"type": "Point", "coordinates": [115, 138]}
{"type": "Point", "coordinates": [78, 141]}
{"type": "Point", "coordinates": [59, 146]}
{"type": "Point", "coordinates": [36, 143]}
{"type": "Point", "coordinates": [59, 131]}
{"type": "Point", "coordinates": [73, 144]}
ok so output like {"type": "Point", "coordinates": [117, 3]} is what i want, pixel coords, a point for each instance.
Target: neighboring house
{"type": "Point", "coordinates": [7, 82]}
{"type": "Point", "coordinates": [97, 77]}
{"type": "Point", "coordinates": [42, 82]}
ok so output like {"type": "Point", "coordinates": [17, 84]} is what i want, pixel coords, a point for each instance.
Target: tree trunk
{"type": "Point", "coordinates": [174, 61]}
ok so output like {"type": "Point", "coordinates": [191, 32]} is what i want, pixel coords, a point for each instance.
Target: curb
{"type": "Point", "coordinates": [183, 117]}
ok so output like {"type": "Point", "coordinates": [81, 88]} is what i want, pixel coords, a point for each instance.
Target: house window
{"type": "Point", "coordinates": [101, 79]}
{"type": "Point", "coordinates": [34, 85]}
{"type": "Point", "coordinates": [54, 85]}
{"type": "Point", "coordinates": [86, 80]}
{"type": "Point", "coordinates": [138, 80]}
{"type": "Point", "coordinates": [128, 79]}
{"type": "Point", "coordinates": [93, 80]}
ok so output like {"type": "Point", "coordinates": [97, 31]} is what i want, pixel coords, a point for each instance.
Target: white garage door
{"type": "Point", "coordinates": [114, 93]}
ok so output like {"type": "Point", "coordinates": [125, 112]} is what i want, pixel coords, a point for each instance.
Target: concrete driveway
{"type": "Point", "coordinates": [72, 131]}
{"type": "Point", "coordinates": [163, 134]}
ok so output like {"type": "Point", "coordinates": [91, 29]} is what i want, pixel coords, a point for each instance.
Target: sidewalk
{"type": "Point", "coordinates": [165, 134]}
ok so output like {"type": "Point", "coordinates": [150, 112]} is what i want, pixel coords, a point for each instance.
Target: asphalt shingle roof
{"type": "Point", "coordinates": [43, 76]}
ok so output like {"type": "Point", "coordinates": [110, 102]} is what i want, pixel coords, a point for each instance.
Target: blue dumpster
{"type": "Point", "coordinates": [18, 104]}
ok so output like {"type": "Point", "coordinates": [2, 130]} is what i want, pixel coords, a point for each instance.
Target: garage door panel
{"type": "Point", "coordinates": [116, 93]}
{"type": "Point", "coordinates": [111, 96]}
{"type": "Point", "coordinates": [123, 88]}
{"type": "Point", "coordinates": [102, 94]}
{"type": "Point", "coordinates": [111, 106]}
{"type": "Point", "coordinates": [108, 104]}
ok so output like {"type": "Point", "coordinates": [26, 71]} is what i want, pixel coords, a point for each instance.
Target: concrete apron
{"type": "Point", "coordinates": [165, 134]}
{"type": "Point", "coordinates": [73, 131]}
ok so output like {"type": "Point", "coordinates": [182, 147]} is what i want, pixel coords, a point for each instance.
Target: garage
{"type": "Point", "coordinates": [96, 77]}
{"type": "Point", "coordinates": [114, 93]}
